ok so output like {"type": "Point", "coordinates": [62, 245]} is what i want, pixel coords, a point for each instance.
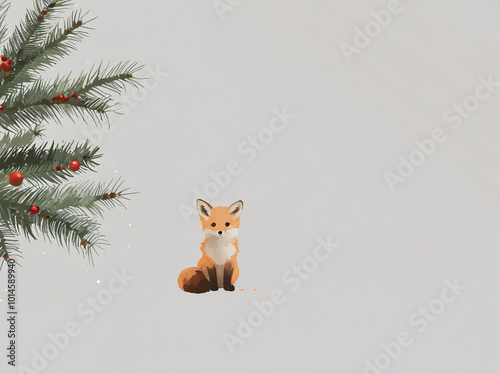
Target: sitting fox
{"type": "Point", "coordinates": [217, 267]}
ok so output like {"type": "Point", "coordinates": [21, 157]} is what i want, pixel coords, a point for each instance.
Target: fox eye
{"type": "Point", "coordinates": [213, 224]}
{"type": "Point", "coordinates": [227, 223]}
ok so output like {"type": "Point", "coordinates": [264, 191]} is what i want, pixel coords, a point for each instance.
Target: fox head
{"type": "Point", "coordinates": [221, 221]}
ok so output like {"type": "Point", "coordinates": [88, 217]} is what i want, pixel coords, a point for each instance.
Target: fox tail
{"type": "Point", "coordinates": [193, 280]}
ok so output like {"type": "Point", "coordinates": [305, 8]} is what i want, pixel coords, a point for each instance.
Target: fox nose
{"type": "Point", "coordinates": [220, 232]}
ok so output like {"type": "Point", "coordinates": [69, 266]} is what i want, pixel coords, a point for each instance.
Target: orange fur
{"type": "Point", "coordinates": [225, 219]}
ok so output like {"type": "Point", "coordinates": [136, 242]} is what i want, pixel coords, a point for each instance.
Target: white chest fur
{"type": "Point", "coordinates": [220, 250]}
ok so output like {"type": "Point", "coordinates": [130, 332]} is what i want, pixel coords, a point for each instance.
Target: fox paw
{"type": "Point", "coordinates": [230, 288]}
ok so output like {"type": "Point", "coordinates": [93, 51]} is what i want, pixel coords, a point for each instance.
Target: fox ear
{"type": "Point", "coordinates": [204, 208]}
{"type": "Point", "coordinates": [236, 208]}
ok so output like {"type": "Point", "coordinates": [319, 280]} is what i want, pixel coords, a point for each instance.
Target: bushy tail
{"type": "Point", "coordinates": [192, 280]}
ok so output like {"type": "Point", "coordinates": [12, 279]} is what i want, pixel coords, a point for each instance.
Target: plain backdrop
{"type": "Point", "coordinates": [211, 84]}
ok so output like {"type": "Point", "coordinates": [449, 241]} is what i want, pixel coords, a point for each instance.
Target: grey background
{"type": "Point", "coordinates": [322, 176]}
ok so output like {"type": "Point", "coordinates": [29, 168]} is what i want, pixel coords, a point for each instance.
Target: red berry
{"type": "Point", "coordinates": [4, 66]}
{"type": "Point", "coordinates": [34, 210]}
{"type": "Point", "coordinates": [54, 98]}
{"type": "Point", "coordinates": [44, 12]}
{"type": "Point", "coordinates": [6, 75]}
{"type": "Point", "coordinates": [1, 107]}
{"type": "Point", "coordinates": [4, 58]}
{"type": "Point", "coordinates": [60, 97]}
{"type": "Point", "coordinates": [47, 216]}
{"type": "Point", "coordinates": [16, 179]}
{"type": "Point", "coordinates": [74, 95]}
{"type": "Point", "coordinates": [66, 98]}
{"type": "Point", "coordinates": [58, 168]}
{"type": "Point", "coordinates": [6, 257]}
{"type": "Point", "coordinates": [74, 165]}
{"type": "Point", "coordinates": [9, 62]}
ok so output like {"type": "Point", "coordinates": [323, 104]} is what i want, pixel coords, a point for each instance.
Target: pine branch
{"type": "Point", "coordinates": [54, 10]}
{"type": "Point", "coordinates": [60, 43]}
{"type": "Point", "coordinates": [101, 80]}
{"type": "Point", "coordinates": [20, 139]}
{"type": "Point", "coordinates": [4, 7]}
{"type": "Point", "coordinates": [32, 26]}
{"type": "Point", "coordinates": [93, 197]}
{"type": "Point", "coordinates": [19, 114]}
{"type": "Point", "coordinates": [9, 245]}
{"type": "Point", "coordinates": [32, 105]}
{"type": "Point", "coordinates": [81, 197]}
{"type": "Point", "coordinates": [16, 216]}
{"type": "Point", "coordinates": [68, 229]}
{"type": "Point", "coordinates": [67, 212]}
{"type": "Point", "coordinates": [37, 162]}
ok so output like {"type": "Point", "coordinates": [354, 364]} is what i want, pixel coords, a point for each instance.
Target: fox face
{"type": "Point", "coordinates": [221, 221]}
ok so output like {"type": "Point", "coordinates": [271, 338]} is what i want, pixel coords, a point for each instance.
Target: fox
{"type": "Point", "coordinates": [217, 267]}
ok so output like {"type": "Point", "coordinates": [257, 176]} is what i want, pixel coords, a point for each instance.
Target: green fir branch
{"type": "Point", "coordinates": [69, 226]}
{"type": "Point", "coordinates": [60, 43]}
{"type": "Point", "coordinates": [4, 7]}
{"type": "Point", "coordinates": [100, 81]}
{"type": "Point", "coordinates": [54, 12]}
{"type": "Point", "coordinates": [20, 139]}
{"type": "Point", "coordinates": [32, 26]}
{"type": "Point", "coordinates": [16, 216]}
{"type": "Point", "coordinates": [26, 29]}
{"type": "Point", "coordinates": [66, 228]}
{"type": "Point", "coordinates": [94, 198]}
{"type": "Point", "coordinates": [19, 114]}
{"type": "Point", "coordinates": [34, 104]}
{"type": "Point", "coordinates": [70, 230]}
{"type": "Point", "coordinates": [83, 197]}
{"type": "Point", "coordinates": [9, 245]}
{"type": "Point", "coordinates": [37, 162]}
{"type": "Point", "coordinates": [68, 212]}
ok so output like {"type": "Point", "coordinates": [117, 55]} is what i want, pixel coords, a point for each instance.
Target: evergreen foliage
{"type": "Point", "coordinates": [68, 210]}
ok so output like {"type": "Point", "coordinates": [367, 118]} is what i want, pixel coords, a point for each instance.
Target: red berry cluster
{"type": "Point", "coordinates": [34, 210]}
{"type": "Point", "coordinates": [6, 64]}
{"type": "Point", "coordinates": [73, 166]}
{"type": "Point", "coordinates": [62, 98]}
